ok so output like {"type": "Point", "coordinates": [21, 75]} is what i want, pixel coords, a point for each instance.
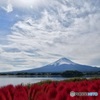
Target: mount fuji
{"type": "Point", "coordinates": [63, 64]}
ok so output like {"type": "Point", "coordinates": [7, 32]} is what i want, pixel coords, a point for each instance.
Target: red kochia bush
{"type": "Point", "coordinates": [2, 96]}
{"type": "Point", "coordinates": [51, 91]}
{"type": "Point", "coordinates": [34, 89]}
{"type": "Point", "coordinates": [51, 94]}
{"type": "Point", "coordinates": [6, 92]}
{"type": "Point", "coordinates": [20, 93]}
{"type": "Point", "coordinates": [61, 96]}
{"type": "Point", "coordinates": [41, 95]}
{"type": "Point", "coordinates": [11, 89]}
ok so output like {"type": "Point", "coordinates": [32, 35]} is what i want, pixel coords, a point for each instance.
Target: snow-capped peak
{"type": "Point", "coordinates": [62, 61]}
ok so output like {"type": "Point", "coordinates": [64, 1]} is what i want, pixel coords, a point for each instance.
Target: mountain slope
{"type": "Point", "coordinates": [64, 64]}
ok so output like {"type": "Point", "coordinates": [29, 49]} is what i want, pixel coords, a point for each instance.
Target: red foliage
{"type": "Point", "coordinates": [6, 92]}
{"type": "Point", "coordinates": [51, 94]}
{"type": "Point", "coordinates": [61, 96]}
{"type": "Point", "coordinates": [2, 96]}
{"type": "Point", "coordinates": [20, 93]}
{"type": "Point", "coordinates": [52, 91]}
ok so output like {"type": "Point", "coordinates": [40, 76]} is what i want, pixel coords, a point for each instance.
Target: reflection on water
{"type": "Point", "coordinates": [25, 80]}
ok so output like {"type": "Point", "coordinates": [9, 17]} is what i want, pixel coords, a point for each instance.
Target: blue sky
{"type": "Point", "coordinates": [34, 33]}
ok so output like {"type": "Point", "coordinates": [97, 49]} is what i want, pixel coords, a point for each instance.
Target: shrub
{"type": "Point", "coordinates": [51, 90]}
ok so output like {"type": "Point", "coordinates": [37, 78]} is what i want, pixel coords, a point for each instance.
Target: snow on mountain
{"type": "Point", "coordinates": [62, 61]}
{"type": "Point", "coordinates": [63, 64]}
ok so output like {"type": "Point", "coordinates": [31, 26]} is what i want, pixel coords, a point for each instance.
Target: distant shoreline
{"type": "Point", "coordinates": [66, 74]}
{"type": "Point", "coordinates": [31, 75]}
{"type": "Point", "coordinates": [97, 76]}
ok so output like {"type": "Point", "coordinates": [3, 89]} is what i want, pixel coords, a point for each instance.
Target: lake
{"type": "Point", "coordinates": [6, 80]}
{"type": "Point", "coordinates": [15, 80]}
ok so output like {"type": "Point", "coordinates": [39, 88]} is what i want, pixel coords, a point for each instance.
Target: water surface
{"type": "Point", "coordinates": [6, 80]}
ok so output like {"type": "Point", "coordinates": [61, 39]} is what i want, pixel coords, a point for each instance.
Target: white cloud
{"type": "Point", "coordinates": [49, 36]}
{"type": "Point", "coordinates": [71, 31]}
{"type": "Point", "coordinates": [6, 67]}
{"type": "Point", "coordinates": [9, 7]}
{"type": "Point", "coordinates": [28, 3]}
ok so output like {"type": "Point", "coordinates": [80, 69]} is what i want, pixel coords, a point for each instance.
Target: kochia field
{"type": "Point", "coordinates": [51, 90]}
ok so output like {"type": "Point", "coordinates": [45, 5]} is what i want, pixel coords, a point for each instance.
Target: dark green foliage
{"type": "Point", "coordinates": [72, 74]}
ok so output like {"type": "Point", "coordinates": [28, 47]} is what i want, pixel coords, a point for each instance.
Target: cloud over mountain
{"type": "Point", "coordinates": [53, 29]}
